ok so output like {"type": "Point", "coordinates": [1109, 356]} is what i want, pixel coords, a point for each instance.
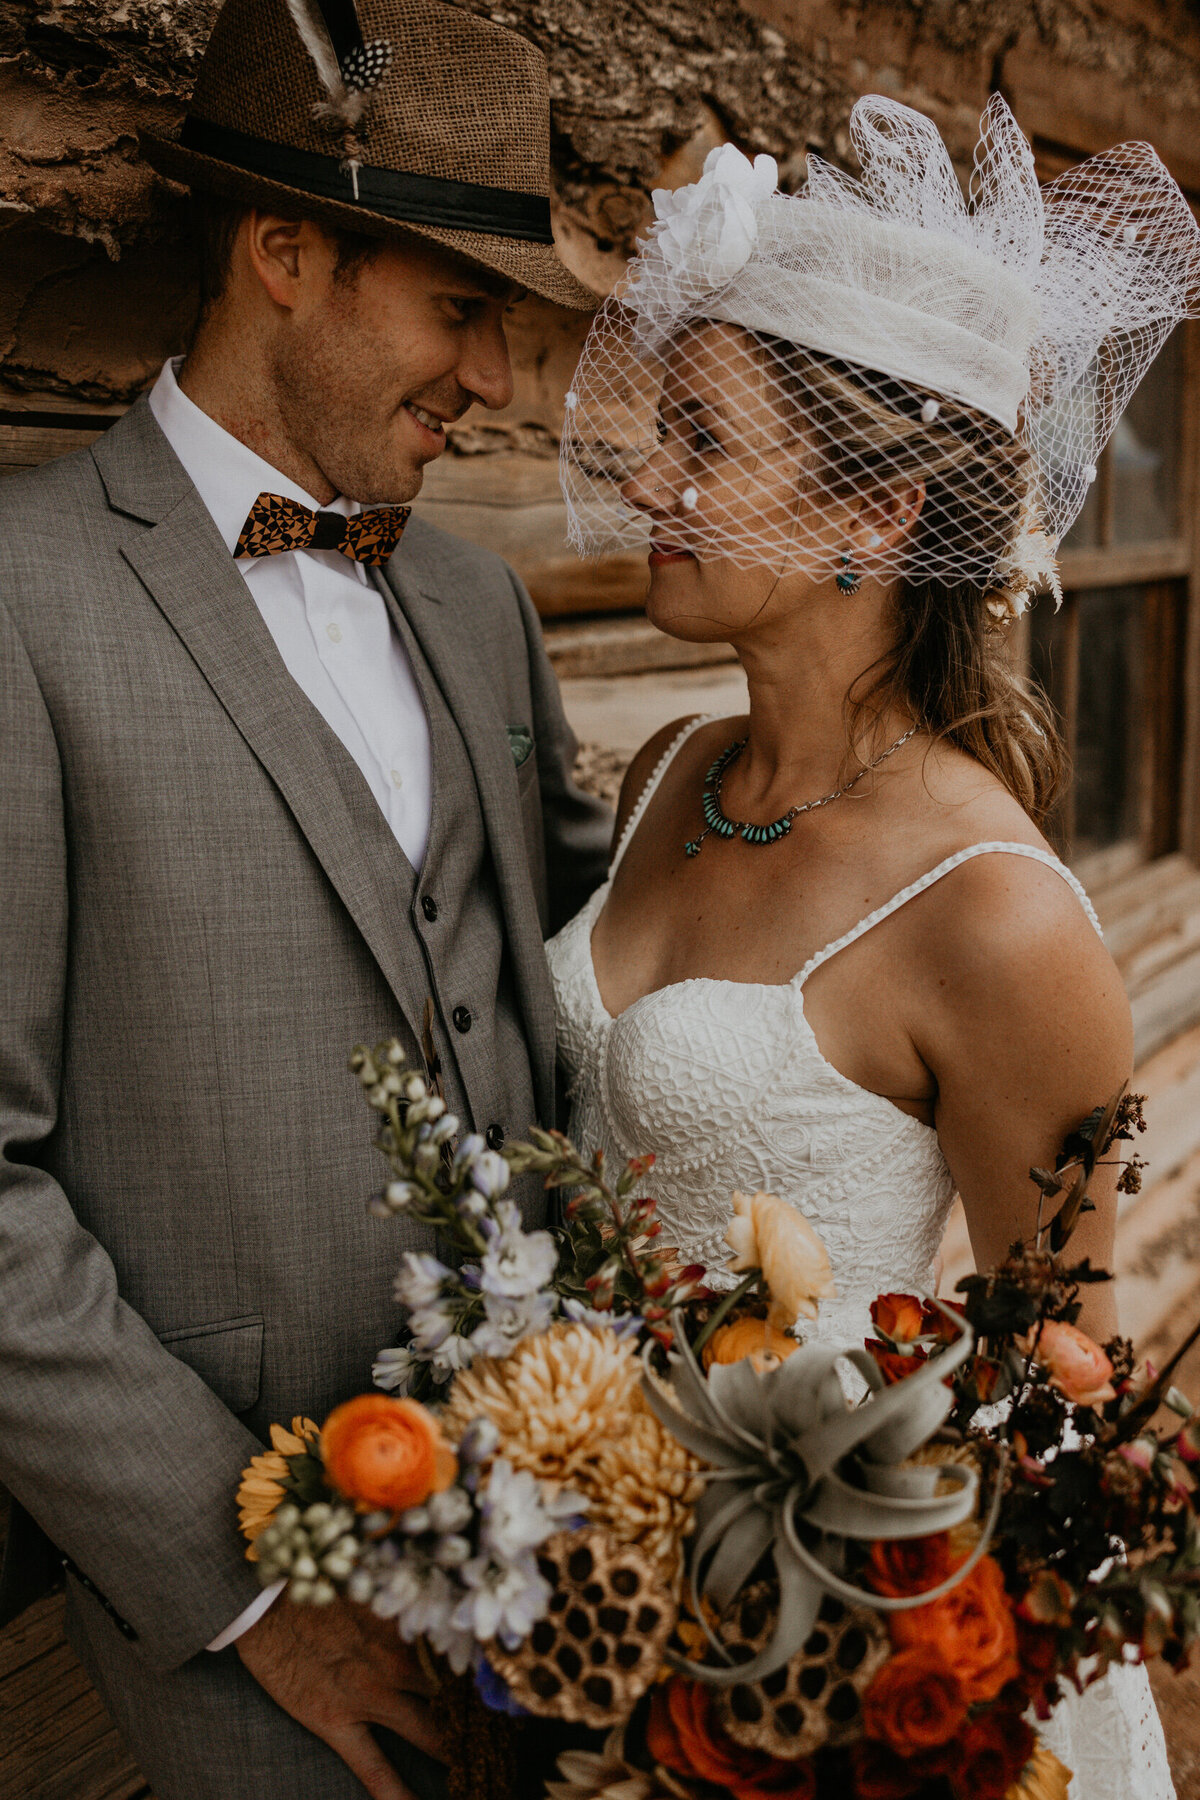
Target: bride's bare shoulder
{"type": "Point", "coordinates": [643, 766]}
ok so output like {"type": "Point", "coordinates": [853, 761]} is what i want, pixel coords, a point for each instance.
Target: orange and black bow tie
{"type": "Point", "coordinates": [276, 524]}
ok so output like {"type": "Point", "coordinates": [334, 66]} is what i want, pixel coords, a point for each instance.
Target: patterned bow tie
{"type": "Point", "coordinates": [276, 524]}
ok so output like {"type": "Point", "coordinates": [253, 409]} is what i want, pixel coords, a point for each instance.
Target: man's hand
{"type": "Point", "coordinates": [337, 1670]}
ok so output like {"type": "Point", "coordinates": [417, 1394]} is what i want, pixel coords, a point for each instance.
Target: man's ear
{"type": "Point", "coordinates": [286, 255]}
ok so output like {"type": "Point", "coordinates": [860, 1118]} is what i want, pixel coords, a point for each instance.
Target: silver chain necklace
{"type": "Point", "coordinates": [716, 821]}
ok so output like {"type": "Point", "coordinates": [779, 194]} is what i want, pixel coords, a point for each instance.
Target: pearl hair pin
{"type": "Point", "coordinates": [688, 499]}
{"type": "Point", "coordinates": [930, 411]}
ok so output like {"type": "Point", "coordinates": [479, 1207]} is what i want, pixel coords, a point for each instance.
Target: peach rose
{"type": "Point", "coordinates": [971, 1629]}
{"type": "Point", "coordinates": [763, 1343]}
{"type": "Point", "coordinates": [767, 1233]}
{"type": "Point", "coordinates": [915, 1703]}
{"type": "Point", "coordinates": [1078, 1368]}
{"type": "Point", "coordinates": [386, 1454]}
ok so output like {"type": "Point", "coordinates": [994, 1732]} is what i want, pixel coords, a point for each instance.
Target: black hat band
{"type": "Point", "coordinates": [419, 199]}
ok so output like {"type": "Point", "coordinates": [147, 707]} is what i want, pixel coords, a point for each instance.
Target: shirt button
{"type": "Point", "coordinates": [333, 633]}
{"type": "Point", "coordinates": [462, 1018]}
{"type": "Point", "coordinates": [494, 1136]}
{"type": "Point", "coordinates": [397, 778]}
{"type": "Point", "coordinates": [429, 907]}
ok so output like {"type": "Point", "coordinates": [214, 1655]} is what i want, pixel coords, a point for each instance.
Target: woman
{"type": "Point", "coordinates": [835, 956]}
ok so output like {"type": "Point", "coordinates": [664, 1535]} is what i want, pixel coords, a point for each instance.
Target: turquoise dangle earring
{"type": "Point", "coordinates": [848, 580]}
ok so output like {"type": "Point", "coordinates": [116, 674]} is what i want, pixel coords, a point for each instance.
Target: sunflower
{"type": "Point", "coordinates": [264, 1483]}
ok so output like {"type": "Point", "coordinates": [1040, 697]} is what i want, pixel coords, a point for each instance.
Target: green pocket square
{"type": "Point", "coordinates": [520, 742]}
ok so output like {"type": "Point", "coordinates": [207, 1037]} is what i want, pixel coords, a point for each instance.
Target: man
{"type": "Point", "coordinates": [280, 775]}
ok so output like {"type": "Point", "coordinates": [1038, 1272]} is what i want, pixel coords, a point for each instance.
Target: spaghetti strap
{"type": "Point", "coordinates": [648, 792]}
{"type": "Point", "coordinates": [1033, 851]}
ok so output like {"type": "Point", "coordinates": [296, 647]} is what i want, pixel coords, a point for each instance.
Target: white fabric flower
{"type": "Point", "coordinates": [706, 232]}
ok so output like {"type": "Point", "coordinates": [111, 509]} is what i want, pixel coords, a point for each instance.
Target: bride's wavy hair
{"type": "Point", "coordinates": [949, 664]}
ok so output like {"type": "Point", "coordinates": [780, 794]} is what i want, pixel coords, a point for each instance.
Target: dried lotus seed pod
{"type": "Point", "coordinates": [601, 1643]}
{"type": "Point", "coordinates": [814, 1699]}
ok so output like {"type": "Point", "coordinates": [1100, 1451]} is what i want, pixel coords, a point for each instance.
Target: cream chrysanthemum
{"type": "Point", "coordinates": [262, 1486]}
{"type": "Point", "coordinates": [569, 1408]}
{"type": "Point", "coordinates": [553, 1400]}
{"type": "Point", "coordinates": [643, 1485]}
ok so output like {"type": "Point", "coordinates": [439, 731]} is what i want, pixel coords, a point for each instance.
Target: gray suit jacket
{"type": "Point", "coordinates": [193, 936]}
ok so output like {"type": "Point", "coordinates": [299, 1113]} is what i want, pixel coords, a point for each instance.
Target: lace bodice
{"type": "Point", "coordinates": [726, 1083]}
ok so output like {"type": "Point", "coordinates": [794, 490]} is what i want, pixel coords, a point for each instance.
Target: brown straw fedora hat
{"type": "Point", "coordinates": [387, 117]}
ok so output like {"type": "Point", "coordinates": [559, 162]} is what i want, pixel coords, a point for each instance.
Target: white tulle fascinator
{"type": "Point", "coordinates": [878, 376]}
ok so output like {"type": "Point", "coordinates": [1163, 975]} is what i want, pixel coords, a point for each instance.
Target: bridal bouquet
{"type": "Point", "coordinates": [595, 1492]}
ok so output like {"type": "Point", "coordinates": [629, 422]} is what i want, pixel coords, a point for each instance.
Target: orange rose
{"type": "Point", "coordinates": [900, 1317]}
{"type": "Point", "coordinates": [971, 1629]}
{"type": "Point", "coordinates": [683, 1735]}
{"type": "Point", "coordinates": [764, 1344]}
{"type": "Point", "coordinates": [902, 1566]}
{"type": "Point", "coordinates": [895, 1365]}
{"type": "Point", "coordinates": [915, 1703]}
{"type": "Point", "coordinates": [386, 1454]}
{"type": "Point", "coordinates": [1078, 1368]}
{"type": "Point", "coordinates": [993, 1749]}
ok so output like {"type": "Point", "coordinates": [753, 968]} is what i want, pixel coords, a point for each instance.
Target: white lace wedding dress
{"type": "Point", "coordinates": [724, 1081]}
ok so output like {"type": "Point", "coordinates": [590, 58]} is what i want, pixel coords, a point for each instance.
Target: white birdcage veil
{"type": "Point", "coordinates": [878, 374]}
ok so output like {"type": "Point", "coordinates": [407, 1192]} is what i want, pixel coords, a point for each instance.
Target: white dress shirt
{"type": "Point", "coordinates": [332, 629]}
{"type": "Point", "coordinates": [326, 615]}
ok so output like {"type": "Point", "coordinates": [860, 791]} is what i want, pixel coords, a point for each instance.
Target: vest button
{"type": "Point", "coordinates": [462, 1018]}
{"type": "Point", "coordinates": [429, 907]}
{"type": "Point", "coordinates": [494, 1136]}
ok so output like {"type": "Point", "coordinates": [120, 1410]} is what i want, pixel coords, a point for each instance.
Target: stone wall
{"type": "Point", "coordinates": [96, 278]}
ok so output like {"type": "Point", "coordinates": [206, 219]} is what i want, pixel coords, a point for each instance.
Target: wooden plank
{"type": "Point", "coordinates": [56, 1740]}
{"type": "Point", "coordinates": [1123, 564]}
{"type": "Point", "coordinates": [1166, 1006]}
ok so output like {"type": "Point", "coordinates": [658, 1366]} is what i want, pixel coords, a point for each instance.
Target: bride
{"type": "Point", "coordinates": [835, 956]}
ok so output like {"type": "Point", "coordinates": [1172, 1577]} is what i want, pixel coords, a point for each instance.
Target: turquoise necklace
{"type": "Point", "coordinates": [716, 821]}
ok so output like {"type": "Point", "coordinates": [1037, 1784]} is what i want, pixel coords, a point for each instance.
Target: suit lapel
{"type": "Point", "coordinates": [443, 632]}
{"type": "Point", "coordinates": [187, 570]}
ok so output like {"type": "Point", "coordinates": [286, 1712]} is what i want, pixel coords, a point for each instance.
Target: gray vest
{"type": "Point", "coordinates": [453, 910]}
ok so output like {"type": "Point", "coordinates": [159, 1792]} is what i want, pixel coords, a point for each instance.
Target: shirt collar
{"type": "Point", "coordinates": [226, 473]}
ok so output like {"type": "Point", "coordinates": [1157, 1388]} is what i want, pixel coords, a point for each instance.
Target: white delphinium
{"type": "Point", "coordinates": [506, 1321]}
{"type": "Point", "coordinates": [504, 1600]}
{"type": "Point", "coordinates": [516, 1263]}
{"type": "Point", "coordinates": [393, 1370]}
{"type": "Point", "coordinates": [518, 1512]}
{"type": "Point", "coordinates": [420, 1279]}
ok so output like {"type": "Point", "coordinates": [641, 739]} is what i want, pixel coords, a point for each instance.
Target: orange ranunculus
{"type": "Point", "coordinates": [900, 1317]}
{"type": "Point", "coordinates": [992, 1752]}
{"type": "Point", "coordinates": [683, 1735]}
{"type": "Point", "coordinates": [971, 1629]}
{"type": "Point", "coordinates": [1078, 1368]}
{"type": "Point", "coordinates": [386, 1454]}
{"type": "Point", "coordinates": [764, 1344]}
{"type": "Point", "coordinates": [915, 1703]}
{"type": "Point", "coordinates": [898, 1567]}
